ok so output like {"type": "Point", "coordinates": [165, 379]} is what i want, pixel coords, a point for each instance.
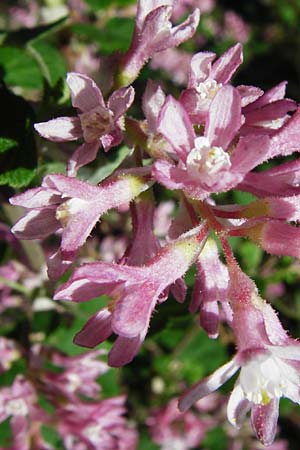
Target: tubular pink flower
{"type": "Point", "coordinates": [134, 291]}
{"type": "Point", "coordinates": [98, 123]}
{"type": "Point", "coordinates": [73, 206]}
{"type": "Point", "coordinates": [153, 33]}
{"type": "Point", "coordinates": [269, 361]}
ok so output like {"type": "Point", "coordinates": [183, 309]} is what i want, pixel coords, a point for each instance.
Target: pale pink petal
{"type": "Point", "coordinates": [174, 124]}
{"type": "Point", "coordinates": [207, 385]}
{"type": "Point", "coordinates": [120, 100]}
{"type": "Point", "coordinates": [124, 350]}
{"type": "Point", "coordinates": [168, 174]}
{"type": "Point", "coordinates": [96, 330]}
{"type": "Point", "coordinates": [249, 94]}
{"type": "Point", "coordinates": [85, 93]}
{"type": "Point", "coordinates": [237, 407]}
{"type": "Point", "coordinates": [84, 154]}
{"type": "Point", "coordinates": [196, 107]}
{"type": "Point", "coordinates": [286, 140]}
{"type": "Point", "coordinates": [271, 111]}
{"type": "Point", "coordinates": [200, 68]}
{"type": "Point", "coordinates": [145, 7]}
{"type": "Point", "coordinates": [225, 66]}
{"type": "Point", "coordinates": [264, 421]}
{"type": "Point", "coordinates": [272, 95]}
{"type": "Point", "coordinates": [287, 351]}
{"type": "Point", "coordinates": [60, 129]}
{"type": "Point", "coordinates": [153, 100]}
{"type": "Point", "coordinates": [112, 139]}
{"type": "Point", "coordinates": [79, 227]}
{"type": "Point", "coordinates": [35, 198]}
{"type": "Point", "coordinates": [184, 31]}
{"type": "Point", "coordinates": [37, 224]}
{"type": "Point", "coordinates": [71, 187]}
{"type": "Point", "coordinates": [249, 153]}
{"type": "Point", "coordinates": [224, 117]}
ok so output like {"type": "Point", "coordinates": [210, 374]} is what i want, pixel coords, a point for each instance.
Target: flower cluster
{"type": "Point", "coordinates": [207, 141]}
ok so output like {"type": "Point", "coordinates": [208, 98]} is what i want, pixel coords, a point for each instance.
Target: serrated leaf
{"type": "Point", "coordinates": [50, 61]}
{"type": "Point", "coordinates": [20, 69]}
{"type": "Point", "coordinates": [6, 144]}
{"type": "Point", "coordinates": [17, 178]}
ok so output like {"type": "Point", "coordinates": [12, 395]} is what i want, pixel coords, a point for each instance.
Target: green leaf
{"type": "Point", "coordinates": [20, 69]}
{"type": "Point", "coordinates": [17, 178]}
{"type": "Point", "coordinates": [115, 36]}
{"type": "Point", "coordinates": [50, 61]}
{"type": "Point", "coordinates": [6, 144]}
{"type": "Point", "coordinates": [109, 163]}
{"type": "Point", "coordinates": [97, 5]}
{"type": "Point", "coordinates": [215, 439]}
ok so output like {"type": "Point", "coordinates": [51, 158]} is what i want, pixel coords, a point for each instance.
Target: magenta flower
{"type": "Point", "coordinates": [204, 164]}
{"type": "Point", "coordinates": [153, 33]}
{"type": "Point", "coordinates": [73, 207]}
{"type": "Point", "coordinates": [97, 123]}
{"type": "Point", "coordinates": [134, 291]}
{"type": "Point", "coordinates": [269, 361]}
{"type": "Point", "coordinates": [102, 423]}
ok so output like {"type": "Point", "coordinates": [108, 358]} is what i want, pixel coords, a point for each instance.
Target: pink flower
{"type": "Point", "coordinates": [134, 291]}
{"type": "Point", "coordinates": [100, 425]}
{"type": "Point", "coordinates": [153, 33]}
{"type": "Point", "coordinates": [74, 207]}
{"type": "Point", "coordinates": [98, 123]}
{"type": "Point", "coordinates": [171, 429]}
{"type": "Point", "coordinates": [269, 361]}
{"type": "Point", "coordinates": [204, 164]}
{"type": "Point", "coordinates": [206, 79]}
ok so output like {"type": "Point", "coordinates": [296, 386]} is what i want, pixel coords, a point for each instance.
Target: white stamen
{"type": "Point", "coordinates": [16, 407]}
{"type": "Point", "coordinates": [205, 161]}
{"type": "Point", "coordinates": [208, 89]}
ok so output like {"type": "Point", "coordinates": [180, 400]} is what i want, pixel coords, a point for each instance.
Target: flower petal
{"type": "Point", "coordinates": [124, 350]}
{"type": "Point", "coordinates": [85, 93]}
{"type": "Point", "coordinates": [84, 154]}
{"type": "Point", "coordinates": [225, 66]}
{"type": "Point", "coordinates": [37, 224]}
{"type": "Point", "coordinates": [174, 124]}
{"type": "Point", "coordinates": [60, 129]}
{"type": "Point", "coordinates": [96, 330]}
{"type": "Point", "coordinates": [208, 385]}
{"type": "Point", "coordinates": [224, 117]}
{"type": "Point", "coordinates": [264, 421]}
{"type": "Point", "coordinates": [237, 407]}
{"type": "Point", "coordinates": [120, 100]}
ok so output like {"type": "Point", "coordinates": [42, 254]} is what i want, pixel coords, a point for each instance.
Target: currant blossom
{"type": "Point", "coordinates": [207, 77]}
{"type": "Point", "coordinates": [97, 123]}
{"type": "Point", "coordinates": [269, 361]}
{"type": "Point", "coordinates": [99, 425]}
{"type": "Point", "coordinates": [73, 207]}
{"type": "Point", "coordinates": [174, 430]}
{"type": "Point", "coordinates": [153, 33]}
{"type": "Point", "coordinates": [134, 293]}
